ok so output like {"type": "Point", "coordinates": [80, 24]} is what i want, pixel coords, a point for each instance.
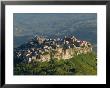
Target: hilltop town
{"type": "Point", "coordinates": [44, 49]}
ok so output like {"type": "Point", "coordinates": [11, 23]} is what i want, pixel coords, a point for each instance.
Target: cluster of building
{"type": "Point", "coordinates": [44, 49]}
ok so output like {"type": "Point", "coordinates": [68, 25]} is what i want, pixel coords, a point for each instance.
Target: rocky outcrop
{"type": "Point", "coordinates": [60, 53]}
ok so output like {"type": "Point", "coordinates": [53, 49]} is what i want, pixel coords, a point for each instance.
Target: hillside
{"type": "Point", "coordinates": [83, 64]}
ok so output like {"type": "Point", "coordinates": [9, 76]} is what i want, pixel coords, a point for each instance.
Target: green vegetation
{"type": "Point", "coordinates": [83, 64]}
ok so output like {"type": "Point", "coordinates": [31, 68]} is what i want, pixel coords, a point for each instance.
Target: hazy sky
{"type": "Point", "coordinates": [31, 23]}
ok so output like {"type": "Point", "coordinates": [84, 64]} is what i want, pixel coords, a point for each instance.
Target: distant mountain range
{"type": "Point", "coordinates": [52, 25]}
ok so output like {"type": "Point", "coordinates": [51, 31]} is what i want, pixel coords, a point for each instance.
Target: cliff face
{"type": "Point", "coordinates": [60, 53]}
